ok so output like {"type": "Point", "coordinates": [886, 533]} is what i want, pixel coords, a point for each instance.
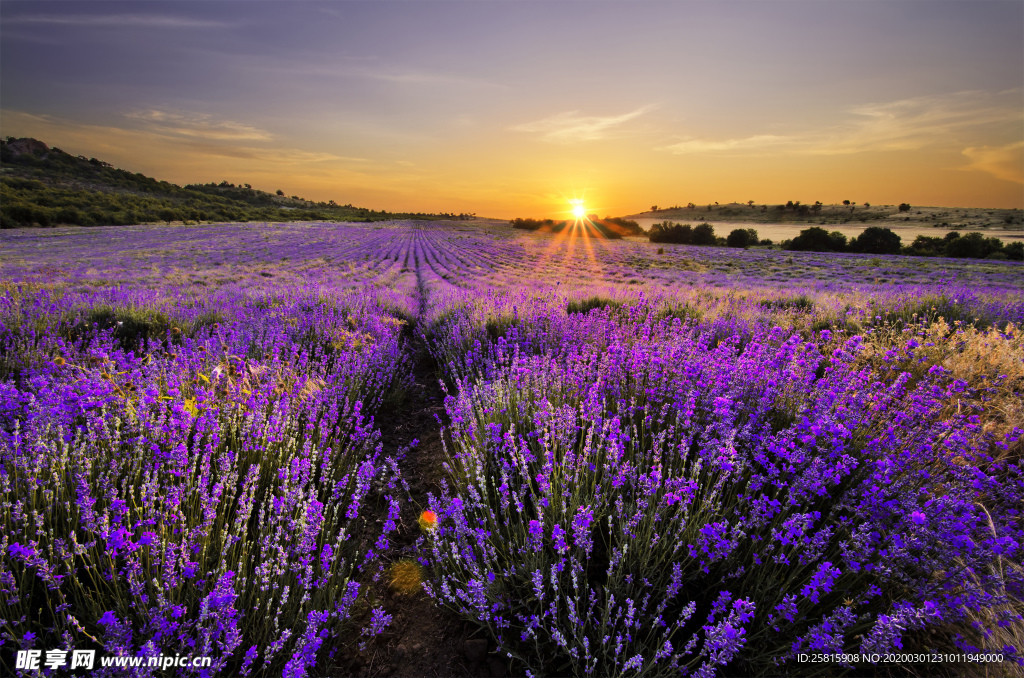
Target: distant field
{"type": "Point", "coordinates": [454, 256]}
{"type": "Point", "coordinates": [294, 447]}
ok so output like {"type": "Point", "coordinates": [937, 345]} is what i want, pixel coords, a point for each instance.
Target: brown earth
{"type": "Point", "coordinates": [422, 640]}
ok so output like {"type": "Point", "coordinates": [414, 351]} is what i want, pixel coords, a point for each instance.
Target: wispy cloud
{"type": "Point", "coordinates": [754, 143]}
{"type": "Point", "coordinates": [115, 20]}
{"type": "Point", "coordinates": [1003, 162]}
{"type": "Point", "coordinates": [910, 124]}
{"type": "Point", "coordinates": [198, 125]}
{"type": "Point", "coordinates": [274, 156]}
{"type": "Point", "coordinates": [905, 124]}
{"type": "Point", "coordinates": [369, 68]}
{"type": "Point", "coordinates": [571, 127]}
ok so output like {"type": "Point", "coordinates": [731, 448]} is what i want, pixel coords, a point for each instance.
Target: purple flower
{"type": "Point", "coordinates": [536, 534]}
{"type": "Point", "coordinates": [581, 529]}
{"type": "Point", "coordinates": [821, 582]}
{"type": "Point", "coordinates": [558, 536]}
{"type": "Point", "coordinates": [379, 620]}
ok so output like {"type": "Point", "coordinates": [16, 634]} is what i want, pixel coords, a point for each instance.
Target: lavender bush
{"type": "Point", "coordinates": [211, 496]}
{"type": "Point", "coordinates": [640, 498]}
{"type": "Point", "coordinates": [660, 462]}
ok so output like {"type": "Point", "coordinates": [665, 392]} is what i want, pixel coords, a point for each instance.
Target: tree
{"type": "Point", "coordinates": [904, 207]}
{"type": "Point", "coordinates": [704, 234]}
{"type": "Point", "coordinates": [654, 208]}
{"type": "Point", "coordinates": [838, 241]}
{"type": "Point", "coordinates": [280, 192]}
{"type": "Point", "coordinates": [815, 239]}
{"type": "Point", "coordinates": [973, 246]}
{"type": "Point", "coordinates": [846, 202]}
{"type": "Point", "coordinates": [876, 240]}
{"type": "Point", "coordinates": [168, 215]}
{"type": "Point", "coordinates": [750, 202]}
{"type": "Point", "coordinates": [669, 232]}
{"type": "Point", "coordinates": [926, 246]}
{"type": "Point", "coordinates": [738, 238]}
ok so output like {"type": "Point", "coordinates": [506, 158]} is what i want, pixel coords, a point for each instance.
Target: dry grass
{"type": "Point", "coordinates": [406, 577]}
{"type": "Point", "coordinates": [1000, 625]}
{"type": "Point", "coordinates": [989, 361]}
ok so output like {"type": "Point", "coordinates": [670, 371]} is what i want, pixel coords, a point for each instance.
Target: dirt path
{"type": "Point", "coordinates": [422, 641]}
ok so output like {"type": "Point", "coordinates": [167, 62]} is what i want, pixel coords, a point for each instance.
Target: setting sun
{"type": "Point", "coordinates": [578, 210]}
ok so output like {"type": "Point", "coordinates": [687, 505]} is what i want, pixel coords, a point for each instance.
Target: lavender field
{"type": "Point", "coordinates": [666, 460]}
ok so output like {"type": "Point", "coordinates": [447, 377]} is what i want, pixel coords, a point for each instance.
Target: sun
{"type": "Point", "coordinates": [578, 210]}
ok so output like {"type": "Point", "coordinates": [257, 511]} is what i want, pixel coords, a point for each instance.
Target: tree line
{"type": "Point", "coordinates": [873, 240]}
{"type": "Point", "coordinates": [877, 240]}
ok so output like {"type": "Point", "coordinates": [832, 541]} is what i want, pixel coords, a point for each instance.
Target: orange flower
{"type": "Point", "coordinates": [428, 519]}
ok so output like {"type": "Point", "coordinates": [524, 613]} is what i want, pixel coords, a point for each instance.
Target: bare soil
{"type": "Point", "coordinates": [423, 640]}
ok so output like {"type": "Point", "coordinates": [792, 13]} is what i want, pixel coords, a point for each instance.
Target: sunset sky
{"type": "Point", "coordinates": [511, 108]}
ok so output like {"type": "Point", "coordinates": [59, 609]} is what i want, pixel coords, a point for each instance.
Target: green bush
{"type": "Point", "coordinates": [585, 306]}
{"type": "Point", "coordinates": [876, 240]}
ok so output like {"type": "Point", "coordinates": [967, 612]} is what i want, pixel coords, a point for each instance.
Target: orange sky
{"type": "Point", "coordinates": [492, 108]}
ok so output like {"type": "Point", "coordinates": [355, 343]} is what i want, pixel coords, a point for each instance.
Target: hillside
{"type": "Point", "coordinates": [44, 186]}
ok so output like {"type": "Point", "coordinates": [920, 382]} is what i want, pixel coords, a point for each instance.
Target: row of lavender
{"type": "Point", "coordinates": [191, 476]}
{"type": "Point", "coordinates": [189, 463]}
{"type": "Point", "coordinates": [461, 256]}
{"type": "Point", "coordinates": [635, 491]}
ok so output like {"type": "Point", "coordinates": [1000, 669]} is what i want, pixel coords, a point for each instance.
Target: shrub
{"type": "Point", "coordinates": [927, 246]}
{"type": "Point", "coordinates": [753, 503]}
{"type": "Point", "coordinates": [584, 306]}
{"type": "Point", "coordinates": [621, 226]}
{"type": "Point", "coordinates": [800, 303]}
{"type": "Point", "coordinates": [817, 239]}
{"type": "Point", "coordinates": [739, 237]}
{"type": "Point", "coordinates": [192, 497]}
{"type": "Point", "coordinates": [703, 234]}
{"type": "Point", "coordinates": [532, 224]}
{"type": "Point", "coordinates": [972, 246]}
{"type": "Point", "coordinates": [876, 240]}
{"type": "Point", "coordinates": [668, 232]}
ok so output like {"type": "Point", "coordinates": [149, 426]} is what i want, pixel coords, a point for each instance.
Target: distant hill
{"type": "Point", "coordinates": [44, 186]}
